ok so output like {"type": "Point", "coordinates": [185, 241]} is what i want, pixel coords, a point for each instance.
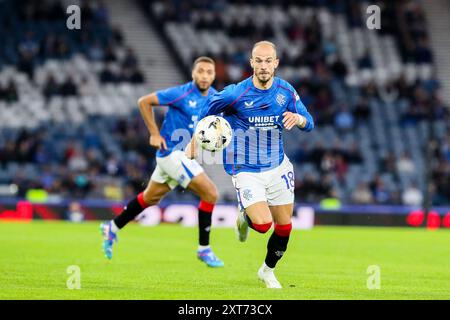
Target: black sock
{"type": "Point", "coordinates": [204, 226]}
{"type": "Point", "coordinates": [132, 209]}
{"type": "Point", "coordinates": [275, 249]}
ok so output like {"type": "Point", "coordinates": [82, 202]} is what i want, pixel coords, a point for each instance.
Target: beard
{"type": "Point", "coordinates": [202, 88]}
{"type": "Point", "coordinates": [264, 77]}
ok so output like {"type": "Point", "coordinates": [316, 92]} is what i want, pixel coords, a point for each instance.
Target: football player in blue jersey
{"type": "Point", "coordinates": [258, 109]}
{"type": "Point", "coordinates": [173, 167]}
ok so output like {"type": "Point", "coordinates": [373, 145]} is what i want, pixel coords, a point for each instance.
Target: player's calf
{"type": "Point", "coordinates": [277, 244]}
{"type": "Point", "coordinates": [204, 252]}
{"type": "Point", "coordinates": [207, 191]}
{"type": "Point", "coordinates": [202, 186]}
{"type": "Point", "coordinates": [131, 210]}
{"type": "Point", "coordinates": [205, 210]}
{"type": "Point", "coordinates": [149, 197]}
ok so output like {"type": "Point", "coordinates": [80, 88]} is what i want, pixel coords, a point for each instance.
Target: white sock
{"type": "Point", "coordinates": [201, 248]}
{"type": "Point", "coordinates": [114, 228]}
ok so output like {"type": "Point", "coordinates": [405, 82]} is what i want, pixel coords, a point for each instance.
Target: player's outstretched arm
{"type": "Point", "coordinates": [218, 102]}
{"type": "Point", "coordinates": [146, 104]}
{"type": "Point", "coordinates": [215, 105]}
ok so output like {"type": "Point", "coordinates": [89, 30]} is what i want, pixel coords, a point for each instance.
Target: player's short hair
{"type": "Point", "coordinates": [203, 59]}
{"type": "Point", "coordinates": [266, 43]}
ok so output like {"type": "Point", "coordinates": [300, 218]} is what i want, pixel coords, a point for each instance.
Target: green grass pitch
{"type": "Point", "coordinates": [160, 263]}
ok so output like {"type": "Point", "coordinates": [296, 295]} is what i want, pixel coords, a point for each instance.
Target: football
{"type": "Point", "coordinates": [213, 133]}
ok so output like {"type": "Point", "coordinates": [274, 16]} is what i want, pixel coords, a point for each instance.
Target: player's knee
{"type": "Point", "coordinates": [211, 194]}
{"type": "Point", "coordinates": [150, 198]}
{"type": "Point", "coordinates": [262, 227]}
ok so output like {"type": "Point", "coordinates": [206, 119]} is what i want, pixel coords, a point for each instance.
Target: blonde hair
{"type": "Point", "coordinates": [265, 42]}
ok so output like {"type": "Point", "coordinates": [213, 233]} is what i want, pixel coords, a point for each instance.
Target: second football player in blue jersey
{"type": "Point", "coordinates": [173, 167]}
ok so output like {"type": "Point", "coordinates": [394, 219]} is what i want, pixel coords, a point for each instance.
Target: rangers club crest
{"type": "Point", "coordinates": [281, 99]}
{"type": "Point", "coordinates": [247, 194]}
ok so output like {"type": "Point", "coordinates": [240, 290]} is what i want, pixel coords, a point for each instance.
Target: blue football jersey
{"type": "Point", "coordinates": [185, 103]}
{"type": "Point", "coordinates": [256, 117]}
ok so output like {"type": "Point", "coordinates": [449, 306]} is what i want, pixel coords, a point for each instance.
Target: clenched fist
{"type": "Point", "coordinates": [291, 119]}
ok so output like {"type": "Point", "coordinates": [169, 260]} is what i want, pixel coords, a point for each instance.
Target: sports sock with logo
{"type": "Point", "coordinates": [277, 244]}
